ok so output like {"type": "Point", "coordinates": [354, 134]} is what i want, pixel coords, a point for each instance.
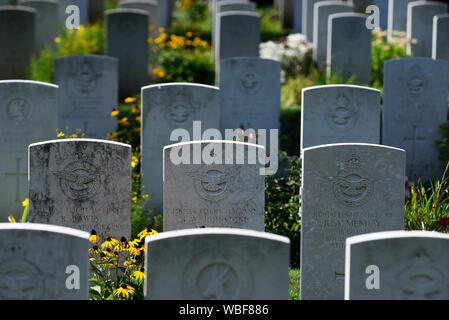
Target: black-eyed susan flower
{"type": "Point", "coordinates": [130, 263]}
{"type": "Point", "coordinates": [139, 274]}
{"type": "Point", "coordinates": [125, 291]}
{"type": "Point", "coordinates": [134, 242]}
{"type": "Point", "coordinates": [146, 232]}
{"type": "Point", "coordinates": [109, 243]}
{"type": "Point", "coordinates": [134, 251]}
{"type": "Point", "coordinates": [114, 113]}
{"type": "Point", "coordinates": [94, 237]}
{"type": "Point", "coordinates": [93, 250]}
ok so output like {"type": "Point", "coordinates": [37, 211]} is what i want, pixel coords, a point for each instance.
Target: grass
{"type": "Point", "coordinates": [294, 284]}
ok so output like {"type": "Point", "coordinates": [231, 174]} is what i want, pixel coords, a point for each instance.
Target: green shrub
{"type": "Point", "coordinates": [282, 202]}
{"type": "Point", "coordinates": [385, 49]}
{"type": "Point", "coordinates": [290, 130]}
{"type": "Point", "coordinates": [427, 208]}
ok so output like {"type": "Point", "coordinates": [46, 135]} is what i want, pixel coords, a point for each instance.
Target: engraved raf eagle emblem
{"type": "Point", "coordinates": [79, 180]}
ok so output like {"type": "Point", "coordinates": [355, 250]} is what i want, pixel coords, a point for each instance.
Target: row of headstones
{"type": "Point", "coordinates": [342, 41]}
{"type": "Point", "coordinates": [414, 106]}
{"type": "Point", "coordinates": [43, 261]}
{"type": "Point", "coordinates": [127, 32]}
{"type": "Point", "coordinates": [347, 190]}
{"type": "Point", "coordinates": [86, 93]}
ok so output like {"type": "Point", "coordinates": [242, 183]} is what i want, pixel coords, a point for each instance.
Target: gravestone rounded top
{"type": "Point", "coordinates": [39, 1]}
{"type": "Point", "coordinates": [17, 8]}
{"type": "Point", "coordinates": [28, 82]}
{"type": "Point", "coordinates": [334, 145]}
{"type": "Point", "coordinates": [40, 227]}
{"type": "Point", "coordinates": [426, 3]}
{"type": "Point", "coordinates": [81, 140]}
{"type": "Point", "coordinates": [340, 86]}
{"type": "Point", "coordinates": [180, 144]}
{"type": "Point", "coordinates": [149, 2]}
{"type": "Point", "coordinates": [394, 235]}
{"type": "Point", "coordinates": [126, 11]}
{"type": "Point", "coordinates": [238, 13]}
{"type": "Point", "coordinates": [161, 85]}
{"type": "Point", "coordinates": [216, 231]}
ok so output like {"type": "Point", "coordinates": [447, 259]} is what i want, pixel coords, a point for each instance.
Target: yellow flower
{"type": "Point", "coordinates": [130, 263]}
{"type": "Point", "coordinates": [94, 238]}
{"type": "Point", "coordinates": [61, 134]}
{"type": "Point", "coordinates": [140, 274]}
{"type": "Point", "coordinates": [123, 121]}
{"type": "Point", "coordinates": [92, 259]}
{"type": "Point", "coordinates": [161, 29]}
{"type": "Point", "coordinates": [139, 118]}
{"type": "Point", "coordinates": [93, 250]}
{"type": "Point", "coordinates": [134, 251]}
{"type": "Point", "coordinates": [145, 196]}
{"type": "Point", "coordinates": [150, 40]}
{"type": "Point", "coordinates": [110, 243]}
{"type": "Point", "coordinates": [161, 74]}
{"type": "Point", "coordinates": [130, 100]}
{"type": "Point", "coordinates": [25, 202]}
{"type": "Point", "coordinates": [57, 40]}
{"type": "Point", "coordinates": [146, 232]}
{"type": "Point", "coordinates": [189, 34]}
{"type": "Point", "coordinates": [125, 291]}
{"type": "Point", "coordinates": [114, 113]}
{"type": "Point", "coordinates": [151, 27]}
{"type": "Point", "coordinates": [134, 161]}
{"type": "Point", "coordinates": [134, 199]}
{"type": "Point", "coordinates": [155, 70]}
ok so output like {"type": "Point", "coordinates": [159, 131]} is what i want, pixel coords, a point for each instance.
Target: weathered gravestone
{"type": "Point", "coordinates": [411, 265]}
{"type": "Point", "coordinates": [217, 264]}
{"type": "Point", "coordinates": [165, 108]}
{"type": "Point", "coordinates": [29, 113]}
{"type": "Point", "coordinates": [46, 25]}
{"type": "Point", "coordinates": [231, 5]}
{"type": "Point", "coordinates": [440, 41]}
{"type": "Point", "coordinates": [127, 40]}
{"type": "Point", "coordinates": [297, 16]}
{"type": "Point", "coordinates": [150, 6]}
{"type": "Point", "coordinates": [349, 48]}
{"type": "Point", "coordinates": [238, 34]}
{"type": "Point", "coordinates": [397, 16]}
{"type": "Point", "coordinates": [347, 189]}
{"type": "Point", "coordinates": [286, 11]}
{"type": "Point", "coordinates": [65, 12]}
{"type": "Point", "coordinates": [83, 184]}
{"type": "Point", "coordinates": [322, 11]}
{"type": "Point", "coordinates": [43, 262]}
{"type": "Point", "coordinates": [17, 41]}
{"type": "Point", "coordinates": [213, 184]}
{"type": "Point", "coordinates": [250, 95]}
{"type": "Point", "coordinates": [88, 92]}
{"type": "Point", "coordinates": [307, 18]}
{"type": "Point", "coordinates": [414, 105]}
{"type": "Point", "coordinates": [420, 26]}
{"type": "Point", "coordinates": [338, 114]}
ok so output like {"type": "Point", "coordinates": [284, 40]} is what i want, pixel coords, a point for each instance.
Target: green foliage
{"type": "Point", "coordinates": [427, 208]}
{"type": "Point", "coordinates": [294, 284]}
{"type": "Point", "coordinates": [87, 39]}
{"type": "Point", "coordinates": [282, 203]}
{"type": "Point", "coordinates": [443, 143]}
{"type": "Point", "coordinates": [384, 49]}
{"type": "Point", "coordinates": [270, 25]}
{"type": "Point", "coordinates": [291, 92]}
{"type": "Point", "coordinates": [187, 65]}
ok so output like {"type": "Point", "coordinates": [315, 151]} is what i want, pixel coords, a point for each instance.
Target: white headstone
{"type": "Point", "coordinates": [43, 262]}
{"type": "Point", "coordinates": [414, 105]}
{"type": "Point", "coordinates": [88, 92]}
{"type": "Point", "coordinates": [46, 22]}
{"type": "Point", "coordinates": [17, 35]}
{"type": "Point", "coordinates": [223, 190]}
{"type": "Point", "coordinates": [83, 184]}
{"type": "Point", "coordinates": [349, 47]}
{"type": "Point", "coordinates": [347, 189]}
{"type": "Point", "coordinates": [29, 113]}
{"type": "Point", "coordinates": [420, 26]}
{"type": "Point", "coordinates": [165, 108]}
{"type": "Point", "coordinates": [397, 265]}
{"type": "Point", "coordinates": [217, 264]}
{"type": "Point", "coordinates": [338, 114]}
